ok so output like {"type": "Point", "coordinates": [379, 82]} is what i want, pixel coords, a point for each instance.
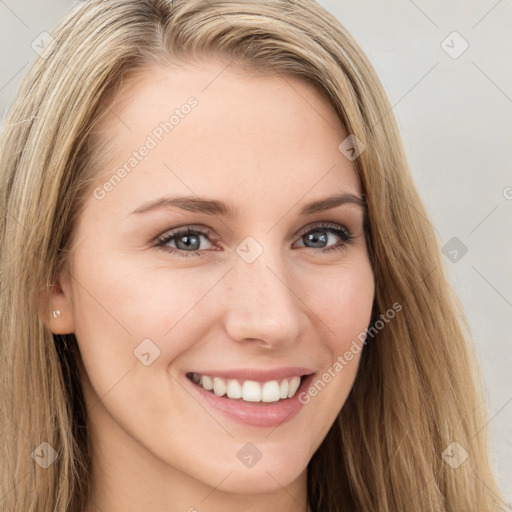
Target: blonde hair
{"type": "Point", "coordinates": [418, 387]}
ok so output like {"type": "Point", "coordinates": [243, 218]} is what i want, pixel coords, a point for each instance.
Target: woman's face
{"type": "Point", "coordinates": [256, 293]}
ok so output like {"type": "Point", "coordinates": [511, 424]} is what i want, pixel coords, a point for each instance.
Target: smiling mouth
{"type": "Point", "coordinates": [249, 390]}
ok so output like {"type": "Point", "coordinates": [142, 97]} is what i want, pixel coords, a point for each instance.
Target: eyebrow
{"type": "Point", "coordinates": [215, 207]}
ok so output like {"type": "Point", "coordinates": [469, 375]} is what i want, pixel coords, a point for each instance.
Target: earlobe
{"type": "Point", "coordinates": [59, 307]}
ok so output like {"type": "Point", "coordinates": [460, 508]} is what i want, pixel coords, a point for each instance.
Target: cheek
{"type": "Point", "coordinates": [130, 310]}
{"type": "Point", "coordinates": [128, 297]}
{"type": "Point", "coordinates": [120, 303]}
{"type": "Point", "coordinates": [344, 306]}
{"type": "Point", "coordinates": [342, 300]}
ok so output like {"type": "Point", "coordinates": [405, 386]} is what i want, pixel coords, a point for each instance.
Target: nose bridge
{"type": "Point", "coordinates": [261, 303]}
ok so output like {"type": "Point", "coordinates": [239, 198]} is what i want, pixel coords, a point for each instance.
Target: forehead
{"type": "Point", "coordinates": [209, 124]}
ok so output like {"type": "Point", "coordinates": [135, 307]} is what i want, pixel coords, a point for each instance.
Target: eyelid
{"type": "Point", "coordinates": [321, 225]}
{"type": "Point", "coordinates": [169, 235]}
{"type": "Point", "coordinates": [188, 227]}
{"type": "Point", "coordinates": [208, 231]}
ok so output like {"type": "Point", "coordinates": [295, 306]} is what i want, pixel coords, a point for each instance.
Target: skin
{"type": "Point", "coordinates": [266, 145]}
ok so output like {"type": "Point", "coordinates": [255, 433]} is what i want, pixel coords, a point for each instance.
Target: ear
{"type": "Point", "coordinates": [58, 306]}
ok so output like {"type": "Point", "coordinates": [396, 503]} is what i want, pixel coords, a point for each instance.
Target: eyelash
{"type": "Point", "coordinates": [335, 229]}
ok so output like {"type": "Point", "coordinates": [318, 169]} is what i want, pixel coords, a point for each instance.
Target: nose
{"type": "Point", "coordinates": [260, 304]}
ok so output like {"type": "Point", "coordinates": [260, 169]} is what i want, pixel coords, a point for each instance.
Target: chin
{"type": "Point", "coordinates": [263, 481]}
{"type": "Point", "coordinates": [265, 476]}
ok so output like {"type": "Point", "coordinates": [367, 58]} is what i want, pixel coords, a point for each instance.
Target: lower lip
{"type": "Point", "coordinates": [255, 414]}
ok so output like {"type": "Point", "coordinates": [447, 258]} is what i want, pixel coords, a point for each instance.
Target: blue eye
{"type": "Point", "coordinates": [317, 235]}
{"type": "Point", "coordinates": [189, 237]}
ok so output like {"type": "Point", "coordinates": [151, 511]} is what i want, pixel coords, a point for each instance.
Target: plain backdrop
{"type": "Point", "coordinates": [446, 67]}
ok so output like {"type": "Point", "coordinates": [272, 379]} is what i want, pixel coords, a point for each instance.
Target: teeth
{"type": "Point", "coordinates": [206, 382]}
{"type": "Point", "coordinates": [219, 387]}
{"type": "Point", "coordinates": [270, 391]}
{"type": "Point", "coordinates": [234, 389]}
{"type": "Point", "coordinates": [294, 385]}
{"type": "Point", "coordinates": [283, 389]}
{"type": "Point", "coordinates": [249, 390]}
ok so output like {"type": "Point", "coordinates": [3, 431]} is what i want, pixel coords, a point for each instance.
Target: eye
{"type": "Point", "coordinates": [186, 241]}
{"type": "Point", "coordinates": [183, 239]}
{"type": "Point", "coordinates": [316, 235]}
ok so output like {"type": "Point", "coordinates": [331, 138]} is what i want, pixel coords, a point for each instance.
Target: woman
{"type": "Point", "coordinates": [308, 355]}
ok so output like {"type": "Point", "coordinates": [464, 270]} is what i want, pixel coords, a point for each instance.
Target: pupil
{"type": "Point", "coordinates": [315, 238]}
{"type": "Point", "coordinates": [189, 240]}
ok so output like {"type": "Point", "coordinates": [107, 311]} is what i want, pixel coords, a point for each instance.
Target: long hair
{"type": "Point", "coordinates": [418, 388]}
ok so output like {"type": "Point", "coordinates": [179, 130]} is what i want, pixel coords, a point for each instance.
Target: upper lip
{"type": "Point", "coordinates": [258, 375]}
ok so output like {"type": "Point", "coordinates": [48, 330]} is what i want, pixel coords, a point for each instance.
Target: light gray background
{"type": "Point", "coordinates": [455, 115]}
